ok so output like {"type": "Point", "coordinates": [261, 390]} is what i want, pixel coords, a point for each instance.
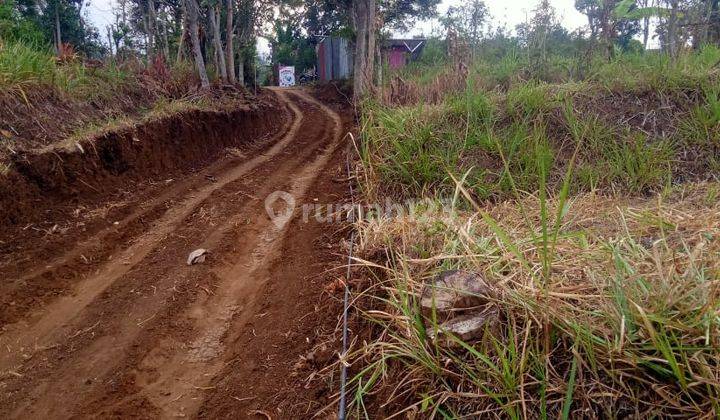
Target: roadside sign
{"type": "Point", "coordinates": [287, 76]}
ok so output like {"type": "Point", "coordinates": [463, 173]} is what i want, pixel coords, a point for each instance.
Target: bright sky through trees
{"type": "Point", "coordinates": [504, 12]}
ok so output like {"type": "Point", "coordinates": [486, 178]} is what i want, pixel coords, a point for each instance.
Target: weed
{"type": "Point", "coordinates": [702, 126]}
{"type": "Point", "coordinates": [604, 301]}
{"type": "Point", "coordinates": [528, 101]}
{"type": "Point", "coordinates": [22, 65]}
{"type": "Point", "coordinates": [610, 314]}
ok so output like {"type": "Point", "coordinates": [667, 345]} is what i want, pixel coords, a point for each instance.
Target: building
{"type": "Point", "coordinates": [397, 53]}
{"type": "Point", "coordinates": [335, 58]}
{"type": "Point", "coordinates": [335, 55]}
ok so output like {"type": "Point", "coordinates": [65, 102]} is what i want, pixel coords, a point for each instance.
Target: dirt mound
{"type": "Point", "coordinates": [89, 170]}
{"type": "Point", "coordinates": [336, 93]}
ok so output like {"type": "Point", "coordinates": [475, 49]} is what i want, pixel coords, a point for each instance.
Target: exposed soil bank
{"type": "Point", "coordinates": [93, 169]}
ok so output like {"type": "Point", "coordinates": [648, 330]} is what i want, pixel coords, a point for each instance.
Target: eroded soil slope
{"type": "Point", "coordinates": [102, 316]}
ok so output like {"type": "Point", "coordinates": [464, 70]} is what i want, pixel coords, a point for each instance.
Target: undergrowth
{"type": "Point", "coordinates": [648, 123]}
{"type": "Point", "coordinates": [606, 308]}
{"type": "Point", "coordinates": [46, 100]}
{"type": "Point", "coordinates": [590, 207]}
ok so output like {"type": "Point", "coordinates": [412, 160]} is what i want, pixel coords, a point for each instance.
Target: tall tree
{"type": "Point", "coordinates": [193, 16]}
{"type": "Point", "coordinates": [468, 21]}
{"type": "Point", "coordinates": [609, 19]}
{"type": "Point", "coordinates": [229, 35]}
{"type": "Point", "coordinates": [364, 21]}
{"type": "Point", "coordinates": [214, 17]}
{"type": "Point", "coordinates": [368, 18]}
{"type": "Point", "coordinates": [63, 23]}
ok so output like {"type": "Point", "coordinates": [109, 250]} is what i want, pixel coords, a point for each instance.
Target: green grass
{"type": "Point", "coordinates": [603, 268]}
{"type": "Point", "coordinates": [25, 67]}
{"type": "Point", "coordinates": [22, 65]}
{"type": "Point", "coordinates": [414, 148]}
{"type": "Point", "coordinates": [702, 126]}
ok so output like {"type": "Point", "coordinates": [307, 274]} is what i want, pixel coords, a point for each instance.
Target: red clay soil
{"type": "Point", "coordinates": [101, 315]}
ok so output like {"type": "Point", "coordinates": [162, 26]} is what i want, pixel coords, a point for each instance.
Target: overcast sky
{"type": "Point", "coordinates": [509, 13]}
{"type": "Point", "coordinates": [506, 13]}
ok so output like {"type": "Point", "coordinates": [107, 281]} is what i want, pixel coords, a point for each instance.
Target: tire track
{"type": "Point", "coordinates": [23, 337]}
{"type": "Point", "coordinates": [185, 374]}
{"type": "Point", "coordinates": [145, 333]}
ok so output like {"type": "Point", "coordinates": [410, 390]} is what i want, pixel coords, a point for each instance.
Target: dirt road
{"type": "Point", "coordinates": [135, 331]}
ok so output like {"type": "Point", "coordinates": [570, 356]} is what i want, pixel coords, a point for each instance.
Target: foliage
{"type": "Point", "coordinates": [290, 47]}
{"type": "Point", "coordinates": [15, 27]}
{"type": "Point", "coordinates": [566, 187]}
{"type": "Point", "coordinates": [583, 301]}
{"type": "Point", "coordinates": [468, 20]}
{"type": "Point", "coordinates": [416, 147]}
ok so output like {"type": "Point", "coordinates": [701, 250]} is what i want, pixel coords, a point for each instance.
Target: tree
{"type": "Point", "coordinates": [251, 14]}
{"type": "Point", "coordinates": [368, 18]}
{"type": "Point", "coordinates": [468, 21]}
{"type": "Point", "coordinates": [17, 24]}
{"type": "Point", "coordinates": [193, 15]}
{"type": "Point", "coordinates": [543, 22]}
{"type": "Point", "coordinates": [214, 17]}
{"type": "Point", "coordinates": [366, 25]}
{"type": "Point", "coordinates": [290, 46]}
{"type": "Point", "coordinates": [324, 17]}
{"type": "Point", "coordinates": [609, 19]}
{"type": "Point", "coordinates": [229, 35]}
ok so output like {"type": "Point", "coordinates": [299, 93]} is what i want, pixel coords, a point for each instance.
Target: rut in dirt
{"type": "Point", "coordinates": [143, 334]}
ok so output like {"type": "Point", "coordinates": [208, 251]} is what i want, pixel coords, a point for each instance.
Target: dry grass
{"type": "Point", "coordinates": [614, 314]}
{"type": "Point", "coordinates": [608, 299]}
{"type": "Point", "coordinates": [403, 91]}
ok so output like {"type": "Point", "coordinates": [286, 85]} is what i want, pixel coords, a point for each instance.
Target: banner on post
{"type": "Point", "coordinates": [287, 76]}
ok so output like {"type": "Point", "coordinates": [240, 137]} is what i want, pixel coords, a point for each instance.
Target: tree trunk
{"type": "Point", "coordinates": [217, 42]}
{"type": "Point", "coordinates": [708, 23]}
{"type": "Point", "coordinates": [229, 52]}
{"type": "Point", "coordinates": [58, 35]}
{"type": "Point", "coordinates": [110, 39]}
{"type": "Point", "coordinates": [364, 21]}
{"type": "Point", "coordinates": [241, 68]}
{"type": "Point", "coordinates": [645, 26]}
{"type": "Point", "coordinates": [165, 40]}
{"type": "Point", "coordinates": [183, 33]}
{"type": "Point", "coordinates": [359, 21]}
{"type": "Point", "coordinates": [151, 20]}
{"type": "Point", "coordinates": [193, 12]}
{"type": "Point", "coordinates": [672, 30]}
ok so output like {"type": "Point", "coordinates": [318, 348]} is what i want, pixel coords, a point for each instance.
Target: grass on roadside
{"type": "Point", "coordinates": [607, 304]}
{"type": "Point", "coordinates": [412, 149]}
{"type": "Point", "coordinates": [607, 307]}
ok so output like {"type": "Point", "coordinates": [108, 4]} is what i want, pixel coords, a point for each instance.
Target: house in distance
{"type": "Point", "coordinates": [335, 55]}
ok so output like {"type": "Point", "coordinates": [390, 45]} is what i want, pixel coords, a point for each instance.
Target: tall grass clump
{"type": "Point", "coordinates": [702, 126]}
{"type": "Point", "coordinates": [22, 65]}
{"type": "Point", "coordinates": [411, 149]}
{"type": "Point", "coordinates": [656, 71]}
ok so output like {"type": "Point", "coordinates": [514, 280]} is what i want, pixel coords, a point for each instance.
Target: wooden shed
{"type": "Point", "coordinates": [397, 53]}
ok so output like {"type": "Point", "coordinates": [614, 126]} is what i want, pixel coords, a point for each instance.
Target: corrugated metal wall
{"type": "Point", "coordinates": [334, 59]}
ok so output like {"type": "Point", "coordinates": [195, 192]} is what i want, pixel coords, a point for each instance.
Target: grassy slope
{"type": "Point", "coordinates": [44, 101]}
{"type": "Point", "coordinates": [601, 241]}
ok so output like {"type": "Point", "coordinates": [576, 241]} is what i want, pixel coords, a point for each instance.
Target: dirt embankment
{"type": "Point", "coordinates": [60, 178]}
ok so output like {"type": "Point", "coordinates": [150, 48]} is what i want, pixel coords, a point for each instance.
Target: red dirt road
{"type": "Point", "coordinates": [134, 331]}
